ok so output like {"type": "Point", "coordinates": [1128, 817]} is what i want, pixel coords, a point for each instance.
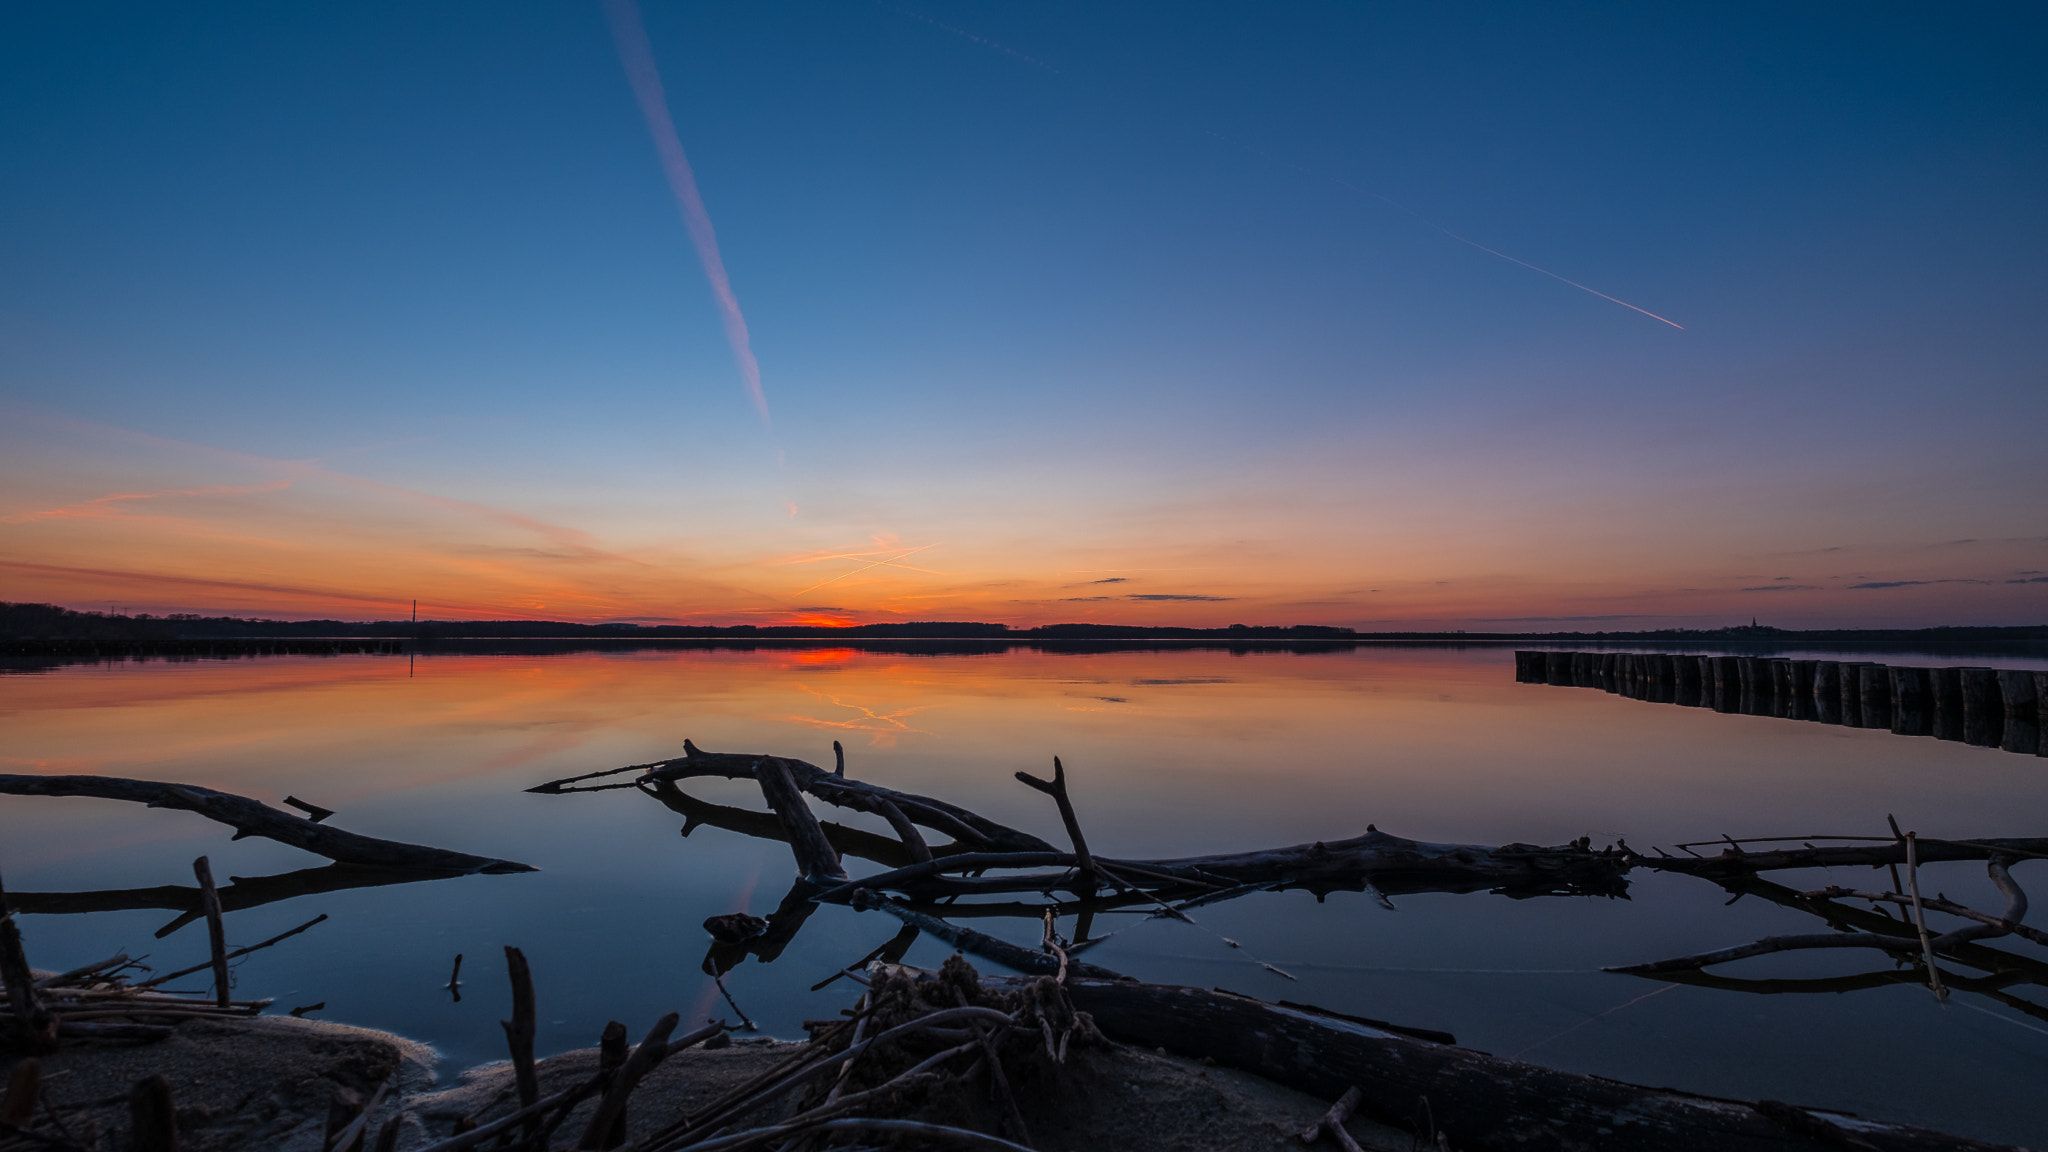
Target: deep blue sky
{"type": "Point", "coordinates": [1132, 304]}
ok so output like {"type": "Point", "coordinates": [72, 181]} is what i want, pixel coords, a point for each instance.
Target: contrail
{"type": "Point", "coordinates": [637, 55]}
{"type": "Point", "coordinates": [1345, 184]}
{"type": "Point", "coordinates": [857, 571]}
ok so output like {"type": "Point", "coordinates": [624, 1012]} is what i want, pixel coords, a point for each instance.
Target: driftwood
{"type": "Point", "coordinates": [839, 791]}
{"type": "Point", "coordinates": [254, 818]}
{"type": "Point", "coordinates": [242, 892]}
{"type": "Point", "coordinates": [815, 857]}
{"type": "Point", "coordinates": [1733, 860]}
{"type": "Point", "coordinates": [32, 1026]}
{"type": "Point", "coordinates": [981, 944]}
{"type": "Point", "coordinates": [1478, 1101]}
{"type": "Point", "coordinates": [216, 932]}
{"type": "Point", "coordinates": [1376, 860]}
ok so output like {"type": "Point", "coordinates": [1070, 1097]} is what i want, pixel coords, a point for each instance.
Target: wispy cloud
{"type": "Point", "coordinates": [110, 505]}
{"type": "Point", "coordinates": [629, 34]}
{"type": "Point", "coordinates": [1172, 596]}
{"type": "Point", "coordinates": [1913, 583]}
{"type": "Point", "coordinates": [1782, 588]}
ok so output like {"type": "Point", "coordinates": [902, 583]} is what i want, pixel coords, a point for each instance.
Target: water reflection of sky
{"type": "Point", "coordinates": [1170, 753]}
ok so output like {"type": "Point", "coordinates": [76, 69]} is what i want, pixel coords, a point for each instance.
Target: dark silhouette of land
{"type": "Point", "coordinates": [49, 624]}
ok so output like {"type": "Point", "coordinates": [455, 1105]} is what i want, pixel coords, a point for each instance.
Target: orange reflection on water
{"type": "Point", "coordinates": [1171, 751]}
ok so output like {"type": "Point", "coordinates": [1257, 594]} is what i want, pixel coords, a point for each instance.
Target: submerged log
{"type": "Point", "coordinates": [1389, 864]}
{"type": "Point", "coordinates": [1479, 1102]}
{"type": "Point", "coordinates": [254, 818]}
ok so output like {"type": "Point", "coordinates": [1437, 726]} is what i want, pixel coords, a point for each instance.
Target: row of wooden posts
{"type": "Point", "coordinates": [1989, 707]}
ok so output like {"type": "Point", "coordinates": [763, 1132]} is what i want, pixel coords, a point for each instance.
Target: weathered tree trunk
{"type": "Point", "coordinates": [1481, 1103]}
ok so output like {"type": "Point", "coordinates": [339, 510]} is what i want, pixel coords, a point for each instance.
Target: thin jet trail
{"type": "Point", "coordinates": [636, 55]}
{"type": "Point", "coordinates": [861, 569]}
{"type": "Point", "coordinates": [1345, 184]}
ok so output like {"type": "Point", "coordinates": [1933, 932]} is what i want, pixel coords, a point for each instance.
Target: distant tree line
{"type": "Point", "coordinates": [51, 622]}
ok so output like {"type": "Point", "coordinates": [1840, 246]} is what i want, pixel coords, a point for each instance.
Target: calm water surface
{"type": "Point", "coordinates": [1175, 752]}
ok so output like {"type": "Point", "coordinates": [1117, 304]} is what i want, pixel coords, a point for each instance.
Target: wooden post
{"type": "Point", "coordinates": [1983, 708]}
{"type": "Point", "coordinates": [1754, 678]}
{"type": "Point", "coordinates": [24, 1086]}
{"type": "Point", "coordinates": [1802, 690]}
{"type": "Point", "coordinates": [36, 1027]}
{"type": "Point", "coordinates": [216, 932]}
{"type": "Point", "coordinates": [1527, 665]}
{"type": "Point", "coordinates": [1781, 686]}
{"type": "Point", "coordinates": [1852, 693]}
{"type": "Point", "coordinates": [611, 1056]}
{"type": "Point", "coordinates": [519, 1029]}
{"type": "Point", "coordinates": [1874, 689]}
{"type": "Point", "coordinates": [1910, 699]}
{"type": "Point", "coordinates": [1557, 668]}
{"type": "Point", "coordinates": [1827, 691]}
{"type": "Point", "coordinates": [2022, 711]}
{"type": "Point", "coordinates": [2041, 704]}
{"type": "Point", "coordinates": [1727, 683]}
{"type": "Point", "coordinates": [1685, 681]}
{"type": "Point", "coordinates": [152, 1116]}
{"type": "Point", "coordinates": [1945, 708]}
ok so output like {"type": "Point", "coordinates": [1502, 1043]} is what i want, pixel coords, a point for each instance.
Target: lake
{"type": "Point", "coordinates": [1171, 751]}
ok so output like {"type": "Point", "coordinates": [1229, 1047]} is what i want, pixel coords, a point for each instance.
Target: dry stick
{"type": "Point", "coordinates": [519, 1029]}
{"type": "Point", "coordinates": [966, 1136]}
{"type": "Point", "coordinates": [38, 1027]}
{"type": "Point", "coordinates": [455, 978]}
{"type": "Point", "coordinates": [980, 943]}
{"type": "Point", "coordinates": [746, 1023]}
{"type": "Point", "coordinates": [232, 955]}
{"type": "Point", "coordinates": [611, 1056]}
{"type": "Point", "coordinates": [351, 1137]}
{"type": "Point", "coordinates": [152, 1116]}
{"type": "Point", "coordinates": [815, 856]}
{"type": "Point", "coordinates": [476, 1136]}
{"type": "Point", "coordinates": [1013, 1116]}
{"type": "Point", "coordinates": [216, 933]}
{"type": "Point", "coordinates": [742, 1091]}
{"type": "Point", "coordinates": [1333, 1121]}
{"type": "Point", "coordinates": [808, 1120]}
{"type": "Point", "coordinates": [1920, 919]}
{"type": "Point", "coordinates": [2005, 923]}
{"type": "Point", "coordinates": [118, 960]}
{"type": "Point", "coordinates": [598, 1084]}
{"type": "Point", "coordinates": [1057, 789]}
{"type": "Point", "coordinates": [18, 1107]}
{"type": "Point", "coordinates": [611, 1111]}
{"type": "Point", "coordinates": [860, 1030]}
{"type": "Point", "coordinates": [735, 1104]}
{"type": "Point", "coordinates": [387, 1136]}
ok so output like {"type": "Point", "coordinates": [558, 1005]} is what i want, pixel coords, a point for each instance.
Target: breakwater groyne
{"type": "Point", "coordinates": [1988, 707]}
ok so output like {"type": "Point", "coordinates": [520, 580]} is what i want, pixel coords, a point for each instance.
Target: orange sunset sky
{"type": "Point", "coordinates": [1387, 319]}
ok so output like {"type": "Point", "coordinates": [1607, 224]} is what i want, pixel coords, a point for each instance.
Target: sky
{"type": "Point", "coordinates": [1482, 316]}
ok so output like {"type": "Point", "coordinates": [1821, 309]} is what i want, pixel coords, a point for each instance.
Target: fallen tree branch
{"type": "Point", "coordinates": [1011, 956]}
{"type": "Point", "coordinates": [938, 815]}
{"type": "Point", "coordinates": [254, 818]}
